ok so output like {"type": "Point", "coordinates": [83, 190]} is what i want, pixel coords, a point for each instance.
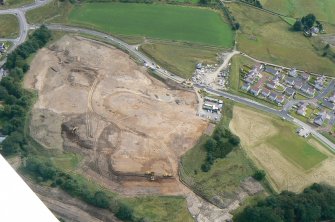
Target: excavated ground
{"type": "Point", "coordinates": [95, 100]}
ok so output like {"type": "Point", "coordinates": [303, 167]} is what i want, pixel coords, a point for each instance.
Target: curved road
{"type": "Point", "coordinates": [24, 27]}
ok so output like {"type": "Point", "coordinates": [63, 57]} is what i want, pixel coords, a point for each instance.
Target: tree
{"type": "Point", "coordinates": [101, 200]}
{"type": "Point", "coordinates": [308, 20]}
{"type": "Point", "coordinates": [124, 212]}
{"type": "Point", "coordinates": [210, 145]}
{"type": "Point", "coordinates": [297, 26]}
{"type": "Point", "coordinates": [203, 2]}
{"type": "Point", "coordinates": [259, 175]}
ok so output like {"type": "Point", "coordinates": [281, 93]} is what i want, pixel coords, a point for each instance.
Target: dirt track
{"type": "Point", "coordinates": [254, 128]}
{"type": "Point", "coordinates": [94, 100]}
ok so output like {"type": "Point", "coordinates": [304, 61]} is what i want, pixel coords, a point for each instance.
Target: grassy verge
{"type": "Point", "coordinates": [9, 26]}
{"type": "Point", "coordinates": [180, 58]}
{"type": "Point", "coordinates": [16, 3]}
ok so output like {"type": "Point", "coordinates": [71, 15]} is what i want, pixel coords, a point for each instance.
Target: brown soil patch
{"type": "Point", "coordinates": [254, 128]}
{"type": "Point", "coordinates": [94, 100]}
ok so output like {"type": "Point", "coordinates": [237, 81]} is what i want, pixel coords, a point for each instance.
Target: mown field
{"type": "Point", "coordinates": [273, 144]}
{"type": "Point", "coordinates": [268, 38]}
{"type": "Point", "coordinates": [324, 9]}
{"type": "Point", "coordinates": [180, 58]}
{"type": "Point", "coordinates": [158, 21]}
{"type": "Point", "coordinates": [9, 26]}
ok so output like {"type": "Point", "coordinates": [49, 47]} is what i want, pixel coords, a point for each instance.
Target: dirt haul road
{"type": "Point", "coordinates": [94, 100]}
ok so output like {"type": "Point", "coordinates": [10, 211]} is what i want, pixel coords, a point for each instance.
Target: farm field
{"type": "Point", "coordinates": [292, 162]}
{"type": "Point", "coordinates": [324, 10]}
{"type": "Point", "coordinates": [158, 21]}
{"type": "Point", "coordinates": [180, 58]}
{"type": "Point", "coordinates": [268, 38]}
{"type": "Point", "coordinates": [9, 26]}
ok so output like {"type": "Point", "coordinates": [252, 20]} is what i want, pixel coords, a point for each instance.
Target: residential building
{"type": "Point", "coordinates": [245, 87]}
{"type": "Point", "coordinates": [308, 90]}
{"type": "Point", "coordinates": [271, 70]}
{"type": "Point", "coordinates": [332, 98]}
{"type": "Point", "coordinates": [280, 99]}
{"type": "Point", "coordinates": [271, 85]}
{"type": "Point", "coordinates": [328, 105]}
{"type": "Point", "coordinates": [289, 91]}
{"type": "Point", "coordinates": [273, 96]}
{"type": "Point", "coordinates": [290, 81]}
{"type": "Point", "coordinates": [298, 84]}
{"type": "Point", "coordinates": [320, 119]}
{"type": "Point", "coordinates": [265, 92]}
{"type": "Point", "coordinates": [305, 76]}
{"type": "Point", "coordinates": [302, 109]}
{"type": "Point", "coordinates": [255, 90]}
{"type": "Point", "coordinates": [293, 73]}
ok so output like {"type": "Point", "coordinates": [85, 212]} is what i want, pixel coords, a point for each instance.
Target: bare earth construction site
{"type": "Point", "coordinates": [96, 101]}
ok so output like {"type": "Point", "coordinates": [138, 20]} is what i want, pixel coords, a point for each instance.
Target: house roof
{"type": "Point", "coordinates": [271, 70]}
{"type": "Point", "coordinates": [265, 91]}
{"type": "Point", "coordinates": [273, 95]}
{"type": "Point", "coordinates": [289, 91]}
{"type": "Point", "coordinates": [290, 80]}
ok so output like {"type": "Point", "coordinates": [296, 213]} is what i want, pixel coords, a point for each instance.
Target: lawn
{"type": "Point", "coordinates": [159, 208]}
{"type": "Point", "coordinates": [268, 38]}
{"type": "Point", "coordinates": [158, 21]}
{"type": "Point", "coordinates": [324, 10]}
{"type": "Point", "coordinates": [9, 26]}
{"type": "Point", "coordinates": [296, 149]}
{"type": "Point", "coordinates": [180, 58]}
{"type": "Point", "coordinates": [237, 62]}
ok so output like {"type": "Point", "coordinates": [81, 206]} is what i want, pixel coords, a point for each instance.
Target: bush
{"type": "Point", "coordinates": [124, 213]}
{"type": "Point", "coordinates": [259, 175]}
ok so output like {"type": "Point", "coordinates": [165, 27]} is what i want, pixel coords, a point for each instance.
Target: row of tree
{"type": "Point", "coordinates": [219, 145]}
{"type": "Point", "coordinates": [255, 3]}
{"type": "Point", "coordinates": [315, 203]}
{"type": "Point", "coordinates": [17, 100]}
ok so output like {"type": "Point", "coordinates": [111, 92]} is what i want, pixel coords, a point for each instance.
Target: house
{"type": "Point", "coordinates": [255, 90]}
{"type": "Point", "coordinates": [305, 76]}
{"type": "Point", "coordinates": [328, 105]}
{"type": "Point", "coordinates": [308, 90]}
{"type": "Point", "coordinates": [319, 120]}
{"type": "Point", "coordinates": [271, 70]}
{"type": "Point", "coordinates": [332, 98]}
{"type": "Point", "coordinates": [265, 92]}
{"type": "Point", "coordinates": [290, 81]}
{"type": "Point", "coordinates": [279, 77]}
{"type": "Point", "coordinates": [302, 109]}
{"type": "Point", "coordinates": [303, 132]}
{"type": "Point", "coordinates": [298, 84]}
{"type": "Point", "coordinates": [273, 96]}
{"type": "Point", "coordinates": [245, 87]}
{"type": "Point", "coordinates": [293, 73]}
{"type": "Point", "coordinates": [315, 30]}
{"type": "Point", "coordinates": [289, 91]}
{"type": "Point", "coordinates": [249, 80]}
{"type": "Point", "coordinates": [271, 85]}
{"type": "Point", "coordinates": [318, 86]}
{"type": "Point", "coordinates": [280, 99]}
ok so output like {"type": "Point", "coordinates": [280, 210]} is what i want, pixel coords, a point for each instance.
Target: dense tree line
{"type": "Point", "coordinates": [315, 203]}
{"type": "Point", "coordinates": [255, 3]}
{"type": "Point", "coordinates": [17, 100]}
{"type": "Point", "coordinates": [219, 145]}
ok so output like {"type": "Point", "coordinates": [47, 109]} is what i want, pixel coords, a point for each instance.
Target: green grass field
{"type": "Point", "coordinates": [180, 58]}
{"type": "Point", "coordinates": [268, 38]}
{"type": "Point", "coordinates": [9, 26]}
{"type": "Point", "coordinates": [158, 21]}
{"type": "Point", "coordinates": [160, 208]}
{"type": "Point", "coordinates": [55, 12]}
{"type": "Point", "coordinates": [324, 9]}
{"type": "Point", "coordinates": [295, 148]}
{"type": "Point", "coordinates": [16, 3]}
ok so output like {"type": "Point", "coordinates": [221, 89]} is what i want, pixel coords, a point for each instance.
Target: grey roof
{"type": "Point", "coordinates": [328, 105]}
{"type": "Point", "coordinates": [289, 91]}
{"type": "Point", "coordinates": [271, 70]}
